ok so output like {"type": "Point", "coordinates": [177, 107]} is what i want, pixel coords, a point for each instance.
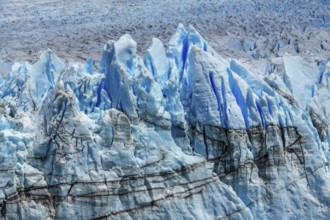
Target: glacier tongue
{"type": "Point", "coordinates": [180, 133]}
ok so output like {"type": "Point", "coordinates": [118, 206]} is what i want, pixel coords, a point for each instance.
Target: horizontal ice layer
{"type": "Point", "coordinates": [178, 133]}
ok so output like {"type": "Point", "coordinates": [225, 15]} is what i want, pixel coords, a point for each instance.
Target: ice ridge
{"type": "Point", "coordinates": [179, 133]}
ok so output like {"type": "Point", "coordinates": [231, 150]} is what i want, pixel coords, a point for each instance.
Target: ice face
{"type": "Point", "coordinates": [44, 74]}
{"type": "Point", "coordinates": [179, 133]}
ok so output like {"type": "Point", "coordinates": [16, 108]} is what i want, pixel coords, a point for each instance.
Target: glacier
{"type": "Point", "coordinates": [178, 133]}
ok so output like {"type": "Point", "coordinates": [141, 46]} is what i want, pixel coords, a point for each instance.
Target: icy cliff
{"type": "Point", "coordinates": [180, 133]}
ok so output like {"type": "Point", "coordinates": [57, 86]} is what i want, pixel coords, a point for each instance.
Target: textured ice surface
{"type": "Point", "coordinates": [179, 133]}
{"type": "Point", "coordinates": [241, 29]}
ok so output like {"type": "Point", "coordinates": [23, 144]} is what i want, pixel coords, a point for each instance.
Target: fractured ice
{"type": "Point", "coordinates": [180, 133]}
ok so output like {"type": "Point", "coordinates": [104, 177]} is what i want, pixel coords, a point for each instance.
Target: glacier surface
{"type": "Point", "coordinates": [179, 133]}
